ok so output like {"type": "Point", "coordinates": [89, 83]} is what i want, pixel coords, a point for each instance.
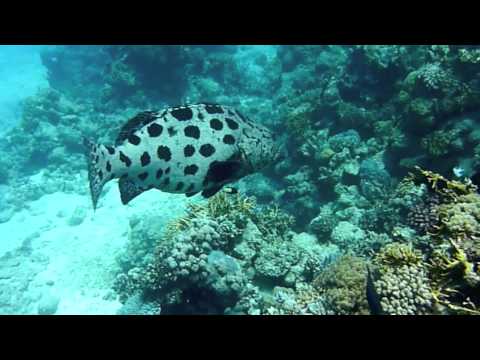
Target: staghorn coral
{"type": "Point", "coordinates": [397, 254]}
{"type": "Point", "coordinates": [455, 281]}
{"type": "Point", "coordinates": [453, 252]}
{"type": "Point", "coordinates": [235, 208]}
{"type": "Point", "coordinates": [449, 190]}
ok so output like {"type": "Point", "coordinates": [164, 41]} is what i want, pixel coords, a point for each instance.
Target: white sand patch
{"type": "Point", "coordinates": [81, 265]}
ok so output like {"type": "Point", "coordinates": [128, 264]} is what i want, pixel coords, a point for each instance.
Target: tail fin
{"type": "Point", "coordinates": [96, 177]}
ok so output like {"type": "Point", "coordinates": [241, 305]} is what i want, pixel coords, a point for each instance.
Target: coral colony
{"type": "Point", "coordinates": [367, 203]}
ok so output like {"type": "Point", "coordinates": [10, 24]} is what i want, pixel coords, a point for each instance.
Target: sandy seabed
{"type": "Point", "coordinates": [52, 252]}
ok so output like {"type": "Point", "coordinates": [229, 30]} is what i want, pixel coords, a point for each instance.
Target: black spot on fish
{"type": "Point", "coordinates": [221, 171]}
{"type": "Point", "coordinates": [192, 131]}
{"type": "Point", "coordinates": [110, 150]}
{"type": "Point", "coordinates": [134, 124]}
{"type": "Point", "coordinates": [172, 131]}
{"type": "Point", "coordinates": [214, 109]}
{"type": "Point", "coordinates": [108, 166]}
{"type": "Point", "coordinates": [207, 150]}
{"type": "Point", "coordinates": [159, 173]}
{"type": "Point", "coordinates": [100, 174]}
{"type": "Point", "coordinates": [190, 169]}
{"type": "Point", "coordinates": [232, 124]}
{"type": "Point", "coordinates": [143, 176]}
{"type": "Point", "coordinates": [182, 114]}
{"type": "Point", "coordinates": [188, 150]}
{"type": "Point", "coordinates": [179, 186]}
{"type": "Point", "coordinates": [216, 124]}
{"type": "Point", "coordinates": [167, 171]}
{"type": "Point", "coordinates": [166, 182]}
{"type": "Point", "coordinates": [229, 139]}
{"type": "Point", "coordinates": [125, 159]}
{"type": "Point", "coordinates": [155, 130]}
{"type": "Point", "coordinates": [134, 139]}
{"type": "Point", "coordinates": [164, 153]}
{"type": "Point", "coordinates": [112, 176]}
{"type": "Point", "coordinates": [200, 115]}
{"type": "Point", "coordinates": [190, 188]}
{"type": "Point", "coordinates": [145, 159]}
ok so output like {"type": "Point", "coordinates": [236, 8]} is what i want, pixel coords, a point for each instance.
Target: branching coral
{"type": "Point", "coordinates": [233, 207]}
{"type": "Point", "coordinates": [448, 189]}
{"type": "Point", "coordinates": [453, 257]}
{"type": "Point", "coordinates": [397, 254]}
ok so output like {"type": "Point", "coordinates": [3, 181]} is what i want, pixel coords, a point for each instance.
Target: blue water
{"type": "Point", "coordinates": [378, 163]}
{"type": "Point", "coordinates": [21, 75]}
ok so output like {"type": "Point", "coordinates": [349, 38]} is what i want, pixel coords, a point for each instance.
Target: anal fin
{"type": "Point", "coordinates": [129, 189]}
{"type": "Point", "coordinates": [190, 194]}
{"type": "Point", "coordinates": [211, 191]}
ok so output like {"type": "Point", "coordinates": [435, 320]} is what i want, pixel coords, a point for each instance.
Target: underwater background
{"type": "Point", "coordinates": [373, 209]}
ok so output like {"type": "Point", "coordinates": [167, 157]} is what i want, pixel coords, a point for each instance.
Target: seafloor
{"type": "Point", "coordinates": [372, 209]}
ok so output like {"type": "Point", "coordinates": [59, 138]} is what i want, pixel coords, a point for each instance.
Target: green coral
{"type": "Point", "coordinates": [398, 254]}
{"type": "Point", "coordinates": [422, 109]}
{"type": "Point", "coordinates": [470, 56]}
{"type": "Point", "coordinates": [453, 257]}
{"type": "Point", "coordinates": [299, 122]}
{"type": "Point", "coordinates": [343, 286]}
{"type": "Point", "coordinates": [439, 142]}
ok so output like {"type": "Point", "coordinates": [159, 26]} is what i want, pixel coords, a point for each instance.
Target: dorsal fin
{"type": "Point", "coordinates": [135, 123]}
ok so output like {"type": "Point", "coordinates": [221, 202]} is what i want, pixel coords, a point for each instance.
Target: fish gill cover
{"type": "Point", "coordinates": [370, 204]}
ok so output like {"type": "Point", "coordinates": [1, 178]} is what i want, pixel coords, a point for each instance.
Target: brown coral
{"type": "Point", "coordinates": [343, 284]}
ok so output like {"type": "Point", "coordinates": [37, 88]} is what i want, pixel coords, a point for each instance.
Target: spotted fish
{"type": "Point", "coordinates": [187, 149]}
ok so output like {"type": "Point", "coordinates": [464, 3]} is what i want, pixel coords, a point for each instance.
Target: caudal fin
{"type": "Point", "coordinates": [96, 177]}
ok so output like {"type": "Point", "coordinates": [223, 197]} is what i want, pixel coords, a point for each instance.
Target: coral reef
{"type": "Point", "coordinates": [216, 251]}
{"type": "Point", "coordinates": [358, 124]}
